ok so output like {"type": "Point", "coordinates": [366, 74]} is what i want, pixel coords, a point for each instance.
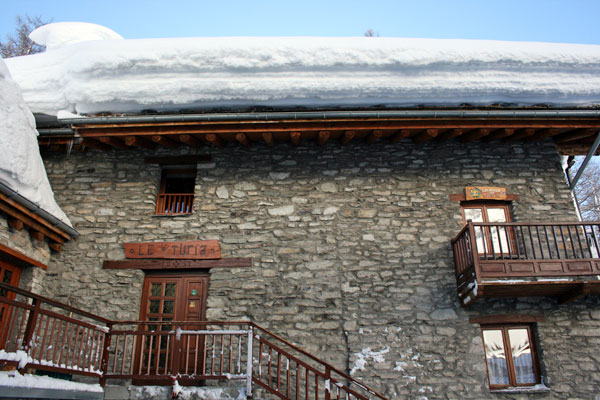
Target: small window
{"type": "Point", "coordinates": [495, 239]}
{"type": "Point", "coordinates": [176, 195]}
{"type": "Point", "coordinates": [510, 356]}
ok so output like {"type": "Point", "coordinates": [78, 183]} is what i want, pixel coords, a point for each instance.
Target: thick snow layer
{"type": "Point", "coordinates": [60, 34]}
{"type": "Point", "coordinates": [164, 74]}
{"type": "Point", "coordinates": [21, 167]}
{"type": "Point", "coordinates": [15, 379]}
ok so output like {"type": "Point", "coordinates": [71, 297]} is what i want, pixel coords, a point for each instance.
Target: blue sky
{"type": "Point", "coordinates": [567, 21]}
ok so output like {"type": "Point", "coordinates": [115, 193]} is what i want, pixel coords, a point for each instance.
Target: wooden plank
{"type": "Point", "coordinates": [268, 138]}
{"type": "Point", "coordinates": [16, 224]}
{"type": "Point", "coordinates": [401, 135]}
{"type": "Point", "coordinates": [178, 160]}
{"type": "Point", "coordinates": [164, 141]}
{"type": "Point", "coordinates": [426, 135]}
{"type": "Point", "coordinates": [474, 135]}
{"type": "Point", "coordinates": [575, 135]}
{"type": "Point", "coordinates": [178, 264]}
{"type": "Point", "coordinates": [451, 134]}
{"type": "Point", "coordinates": [463, 197]}
{"type": "Point", "coordinates": [323, 137]}
{"type": "Point", "coordinates": [18, 258]}
{"type": "Point", "coordinates": [138, 141]}
{"type": "Point", "coordinates": [243, 139]}
{"type": "Point", "coordinates": [295, 138]}
{"type": "Point", "coordinates": [95, 144]}
{"type": "Point", "coordinates": [507, 319]}
{"type": "Point", "coordinates": [499, 134]}
{"type": "Point", "coordinates": [485, 193]}
{"type": "Point", "coordinates": [214, 139]}
{"type": "Point", "coordinates": [191, 250]}
{"type": "Point", "coordinates": [374, 136]}
{"type": "Point", "coordinates": [112, 141]}
{"type": "Point", "coordinates": [190, 140]}
{"type": "Point", "coordinates": [347, 137]}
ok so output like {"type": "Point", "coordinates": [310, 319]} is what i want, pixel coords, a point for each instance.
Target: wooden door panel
{"type": "Point", "coordinates": [10, 275]}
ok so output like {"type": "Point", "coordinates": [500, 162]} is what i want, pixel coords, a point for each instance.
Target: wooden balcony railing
{"type": "Point", "coordinates": [39, 334]}
{"type": "Point", "coordinates": [487, 251]}
{"type": "Point", "coordinates": [174, 203]}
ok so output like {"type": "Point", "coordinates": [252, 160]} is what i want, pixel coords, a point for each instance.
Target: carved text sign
{"type": "Point", "coordinates": [190, 250]}
{"type": "Point", "coordinates": [485, 193]}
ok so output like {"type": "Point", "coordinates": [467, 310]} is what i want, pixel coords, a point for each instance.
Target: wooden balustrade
{"type": "Point", "coordinates": [174, 203]}
{"type": "Point", "coordinates": [484, 252]}
{"type": "Point", "coordinates": [41, 335]}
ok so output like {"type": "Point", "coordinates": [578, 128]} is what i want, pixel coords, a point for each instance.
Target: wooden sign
{"type": "Point", "coordinates": [191, 250]}
{"type": "Point", "coordinates": [485, 193]}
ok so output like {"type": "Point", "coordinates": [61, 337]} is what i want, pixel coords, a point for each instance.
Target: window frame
{"type": "Point", "coordinates": [505, 328]}
{"type": "Point", "coordinates": [187, 208]}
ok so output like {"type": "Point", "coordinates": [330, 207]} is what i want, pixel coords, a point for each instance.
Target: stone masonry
{"type": "Point", "coordinates": [351, 253]}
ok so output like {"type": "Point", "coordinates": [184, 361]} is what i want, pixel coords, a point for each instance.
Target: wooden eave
{"type": "Point", "coordinates": [573, 136]}
{"type": "Point", "coordinates": [40, 229]}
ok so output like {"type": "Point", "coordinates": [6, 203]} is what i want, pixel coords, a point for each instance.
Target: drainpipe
{"type": "Point", "coordinates": [570, 162]}
{"type": "Point", "coordinates": [586, 161]}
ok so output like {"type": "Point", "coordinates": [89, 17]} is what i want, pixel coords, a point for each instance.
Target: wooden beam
{"type": "Point", "coordinates": [113, 142]}
{"type": "Point", "coordinates": [401, 135]}
{"type": "Point", "coordinates": [213, 139]}
{"type": "Point", "coordinates": [178, 160]}
{"type": "Point", "coordinates": [506, 319]}
{"type": "Point", "coordinates": [569, 149]}
{"type": "Point", "coordinates": [374, 136]}
{"type": "Point", "coordinates": [95, 144]}
{"type": "Point", "coordinates": [544, 133]}
{"type": "Point", "coordinates": [576, 293]}
{"type": "Point", "coordinates": [499, 134]}
{"type": "Point", "coordinates": [474, 135]}
{"type": "Point", "coordinates": [190, 140]}
{"type": "Point", "coordinates": [463, 197]}
{"type": "Point", "coordinates": [37, 235]}
{"type": "Point", "coordinates": [164, 141]}
{"type": "Point", "coordinates": [521, 134]}
{"type": "Point", "coordinates": [16, 224]}
{"type": "Point", "coordinates": [347, 137]}
{"type": "Point", "coordinates": [451, 134]}
{"type": "Point", "coordinates": [178, 264]}
{"type": "Point", "coordinates": [575, 135]}
{"type": "Point", "coordinates": [268, 138]}
{"type": "Point", "coordinates": [18, 258]}
{"type": "Point", "coordinates": [56, 246]}
{"type": "Point", "coordinates": [243, 139]}
{"type": "Point", "coordinates": [323, 137]}
{"type": "Point", "coordinates": [426, 135]}
{"type": "Point", "coordinates": [295, 138]}
{"type": "Point", "coordinates": [138, 141]}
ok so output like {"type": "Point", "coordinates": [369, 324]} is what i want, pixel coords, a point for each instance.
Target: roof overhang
{"type": "Point", "coordinates": [573, 130]}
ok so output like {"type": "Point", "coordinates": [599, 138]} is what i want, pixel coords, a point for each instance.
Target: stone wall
{"type": "Point", "coordinates": [350, 247]}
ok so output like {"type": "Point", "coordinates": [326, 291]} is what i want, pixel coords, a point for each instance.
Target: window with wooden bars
{"type": "Point", "coordinates": [176, 193]}
{"type": "Point", "coordinates": [510, 355]}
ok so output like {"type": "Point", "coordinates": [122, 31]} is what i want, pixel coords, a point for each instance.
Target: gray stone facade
{"type": "Point", "coordinates": [351, 253]}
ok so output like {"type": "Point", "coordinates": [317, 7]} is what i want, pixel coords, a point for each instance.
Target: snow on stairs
{"type": "Point", "coordinates": [131, 392]}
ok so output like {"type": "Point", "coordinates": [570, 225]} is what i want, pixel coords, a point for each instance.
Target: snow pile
{"type": "Point", "coordinates": [60, 34]}
{"type": "Point", "coordinates": [15, 379]}
{"type": "Point", "coordinates": [20, 356]}
{"type": "Point", "coordinates": [171, 74]}
{"type": "Point", "coordinates": [21, 167]}
{"type": "Point", "coordinates": [364, 356]}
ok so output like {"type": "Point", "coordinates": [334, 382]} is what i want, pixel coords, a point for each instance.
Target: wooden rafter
{"type": "Point", "coordinates": [137, 141]}
{"type": "Point", "coordinates": [164, 141]}
{"type": "Point", "coordinates": [113, 142]}
{"type": "Point", "coordinates": [190, 140]}
{"type": "Point", "coordinates": [243, 139]}
{"type": "Point", "coordinates": [268, 138]}
{"type": "Point", "coordinates": [295, 138]}
{"type": "Point", "coordinates": [323, 137]}
{"type": "Point", "coordinates": [426, 135]}
{"type": "Point", "coordinates": [214, 139]}
{"type": "Point", "coordinates": [347, 137]}
{"type": "Point", "coordinates": [374, 136]}
{"type": "Point", "coordinates": [474, 135]}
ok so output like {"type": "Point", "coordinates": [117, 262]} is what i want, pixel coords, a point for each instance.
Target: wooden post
{"type": "Point", "coordinates": [249, 363]}
{"type": "Point", "coordinates": [475, 254]}
{"type": "Point", "coordinates": [105, 355]}
{"type": "Point", "coordinates": [327, 383]}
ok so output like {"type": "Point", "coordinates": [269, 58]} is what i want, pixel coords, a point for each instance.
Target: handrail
{"type": "Point", "coordinates": [61, 343]}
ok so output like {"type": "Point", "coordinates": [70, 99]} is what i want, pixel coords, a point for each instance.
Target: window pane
{"type": "Point", "coordinates": [154, 306]}
{"type": "Point", "coordinates": [168, 307]}
{"type": "Point", "coordinates": [474, 214]}
{"type": "Point", "coordinates": [170, 289]}
{"type": "Point", "coordinates": [521, 354]}
{"type": "Point", "coordinates": [155, 289]}
{"type": "Point", "coordinates": [496, 214]}
{"type": "Point", "coordinates": [496, 357]}
{"type": "Point", "coordinates": [7, 276]}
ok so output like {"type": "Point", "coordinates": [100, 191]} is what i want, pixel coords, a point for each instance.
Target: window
{"type": "Point", "coordinates": [490, 239]}
{"type": "Point", "coordinates": [510, 356]}
{"type": "Point", "coordinates": [176, 194]}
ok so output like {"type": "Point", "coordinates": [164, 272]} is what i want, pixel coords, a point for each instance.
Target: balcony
{"type": "Point", "coordinates": [527, 259]}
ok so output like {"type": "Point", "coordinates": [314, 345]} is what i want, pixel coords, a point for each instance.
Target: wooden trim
{"type": "Point", "coordinates": [506, 319]}
{"type": "Point", "coordinates": [178, 264]}
{"type": "Point", "coordinates": [178, 160]}
{"type": "Point", "coordinates": [18, 258]}
{"type": "Point", "coordinates": [463, 197]}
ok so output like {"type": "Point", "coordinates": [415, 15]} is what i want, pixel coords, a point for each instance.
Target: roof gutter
{"type": "Point", "coordinates": [326, 115]}
{"type": "Point", "coordinates": [34, 208]}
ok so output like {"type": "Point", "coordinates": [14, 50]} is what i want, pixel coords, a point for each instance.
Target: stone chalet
{"type": "Point", "coordinates": [354, 251]}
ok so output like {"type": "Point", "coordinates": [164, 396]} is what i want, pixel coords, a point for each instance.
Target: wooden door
{"type": "Point", "coordinates": [491, 240]}
{"type": "Point", "coordinates": [9, 274]}
{"type": "Point", "coordinates": [167, 298]}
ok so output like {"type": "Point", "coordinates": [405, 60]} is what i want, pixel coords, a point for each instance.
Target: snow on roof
{"type": "Point", "coordinates": [116, 75]}
{"type": "Point", "coordinates": [21, 166]}
{"type": "Point", "coordinates": [60, 34]}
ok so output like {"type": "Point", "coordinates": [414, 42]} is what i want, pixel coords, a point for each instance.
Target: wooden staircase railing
{"type": "Point", "coordinates": [41, 333]}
